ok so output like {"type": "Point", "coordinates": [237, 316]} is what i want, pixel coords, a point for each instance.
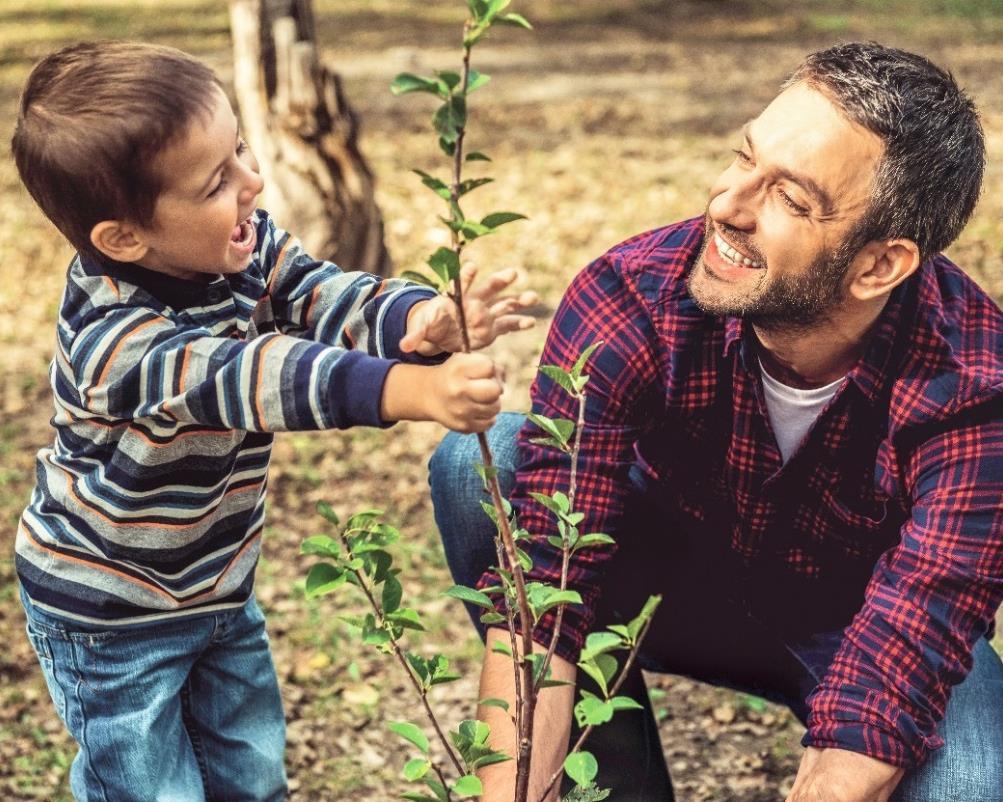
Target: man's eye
{"type": "Point", "coordinates": [742, 156]}
{"type": "Point", "coordinates": [794, 207]}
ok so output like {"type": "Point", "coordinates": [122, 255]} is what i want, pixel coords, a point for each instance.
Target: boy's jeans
{"type": "Point", "coordinates": [697, 632]}
{"type": "Point", "coordinates": [184, 711]}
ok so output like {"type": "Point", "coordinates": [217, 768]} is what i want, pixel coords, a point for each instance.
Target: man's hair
{"type": "Point", "coordinates": [92, 119]}
{"type": "Point", "coordinates": [930, 175]}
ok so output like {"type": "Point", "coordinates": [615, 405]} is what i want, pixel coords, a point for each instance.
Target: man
{"type": "Point", "coordinates": [794, 431]}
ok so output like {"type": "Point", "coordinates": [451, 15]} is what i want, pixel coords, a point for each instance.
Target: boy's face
{"type": "Point", "coordinates": [201, 221]}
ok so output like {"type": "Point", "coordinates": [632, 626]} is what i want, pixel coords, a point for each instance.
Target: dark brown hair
{"type": "Point", "coordinates": [92, 119]}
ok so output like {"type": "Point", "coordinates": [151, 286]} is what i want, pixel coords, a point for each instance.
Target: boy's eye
{"type": "Point", "coordinates": [216, 189]}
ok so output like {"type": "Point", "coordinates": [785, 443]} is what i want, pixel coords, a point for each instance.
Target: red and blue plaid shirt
{"type": "Point", "coordinates": [888, 518]}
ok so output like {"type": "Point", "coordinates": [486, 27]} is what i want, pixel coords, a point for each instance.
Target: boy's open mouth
{"type": "Point", "coordinates": [243, 234]}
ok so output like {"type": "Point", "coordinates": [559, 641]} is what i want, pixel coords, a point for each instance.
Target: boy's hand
{"type": "Point", "coordinates": [433, 326]}
{"type": "Point", "coordinates": [463, 393]}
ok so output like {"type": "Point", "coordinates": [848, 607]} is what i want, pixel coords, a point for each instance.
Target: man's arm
{"type": "Point", "coordinates": [836, 775]}
{"type": "Point", "coordinates": [552, 723]}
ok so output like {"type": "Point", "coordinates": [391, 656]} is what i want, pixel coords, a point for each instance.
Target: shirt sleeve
{"type": "Point", "coordinates": [317, 300]}
{"type": "Point", "coordinates": [132, 362]}
{"type": "Point", "coordinates": [597, 306]}
{"type": "Point", "coordinates": [928, 602]}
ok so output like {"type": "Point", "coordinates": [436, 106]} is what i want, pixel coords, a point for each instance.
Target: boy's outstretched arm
{"type": "Point", "coordinates": [463, 393]}
{"type": "Point", "coordinates": [433, 326]}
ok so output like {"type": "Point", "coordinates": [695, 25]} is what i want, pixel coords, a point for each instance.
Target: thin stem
{"type": "Point", "coordinates": [616, 687]}
{"type": "Point", "coordinates": [399, 654]}
{"type": "Point", "coordinates": [565, 546]}
{"type": "Point", "coordinates": [442, 779]}
{"type": "Point", "coordinates": [510, 619]}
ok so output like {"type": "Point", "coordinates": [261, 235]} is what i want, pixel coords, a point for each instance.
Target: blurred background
{"type": "Point", "coordinates": [610, 118]}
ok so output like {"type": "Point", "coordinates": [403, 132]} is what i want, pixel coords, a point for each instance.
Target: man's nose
{"type": "Point", "coordinates": [734, 198]}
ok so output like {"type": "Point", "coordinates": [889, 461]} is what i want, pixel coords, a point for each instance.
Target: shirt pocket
{"type": "Point", "coordinates": [864, 529]}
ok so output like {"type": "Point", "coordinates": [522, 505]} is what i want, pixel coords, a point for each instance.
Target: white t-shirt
{"type": "Point", "coordinates": [792, 412]}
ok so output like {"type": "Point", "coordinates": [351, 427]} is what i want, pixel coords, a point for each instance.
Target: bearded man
{"type": "Point", "coordinates": [794, 432]}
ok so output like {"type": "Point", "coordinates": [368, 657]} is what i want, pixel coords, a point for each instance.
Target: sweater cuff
{"type": "Point", "coordinates": [393, 325]}
{"type": "Point", "coordinates": [356, 390]}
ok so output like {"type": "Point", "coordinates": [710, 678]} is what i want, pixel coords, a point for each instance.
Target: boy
{"type": "Point", "coordinates": [191, 328]}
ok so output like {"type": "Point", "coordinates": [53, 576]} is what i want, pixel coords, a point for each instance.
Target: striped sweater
{"type": "Point", "coordinates": [149, 504]}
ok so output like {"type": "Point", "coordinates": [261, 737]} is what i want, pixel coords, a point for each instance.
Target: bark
{"type": "Point", "coordinates": [304, 134]}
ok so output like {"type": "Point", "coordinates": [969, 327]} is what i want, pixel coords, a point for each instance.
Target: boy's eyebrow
{"type": "Point", "coordinates": [806, 182]}
{"type": "Point", "coordinates": [218, 167]}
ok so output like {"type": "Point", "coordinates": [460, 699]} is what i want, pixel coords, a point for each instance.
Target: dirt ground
{"type": "Point", "coordinates": [609, 119]}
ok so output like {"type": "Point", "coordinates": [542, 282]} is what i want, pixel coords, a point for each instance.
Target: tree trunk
{"type": "Point", "coordinates": [295, 118]}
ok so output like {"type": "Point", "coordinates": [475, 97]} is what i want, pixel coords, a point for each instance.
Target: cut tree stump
{"type": "Point", "coordinates": [298, 124]}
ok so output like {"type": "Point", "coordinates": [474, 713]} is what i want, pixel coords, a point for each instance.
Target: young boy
{"type": "Point", "coordinates": [191, 328]}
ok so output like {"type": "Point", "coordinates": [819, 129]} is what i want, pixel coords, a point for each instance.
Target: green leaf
{"type": "Point", "coordinates": [588, 793]}
{"type": "Point", "coordinates": [489, 760]}
{"type": "Point", "coordinates": [600, 667]}
{"type": "Point", "coordinates": [471, 184]}
{"type": "Point", "coordinates": [595, 539]}
{"type": "Point", "coordinates": [593, 711]}
{"type": "Point", "coordinates": [416, 768]}
{"type": "Point", "coordinates": [447, 146]}
{"type": "Point", "coordinates": [494, 702]}
{"type": "Point", "coordinates": [407, 82]}
{"type": "Point", "coordinates": [581, 767]}
{"type": "Point", "coordinates": [328, 512]}
{"type": "Point", "coordinates": [599, 643]}
{"type": "Point", "coordinates": [474, 731]}
{"type": "Point", "coordinates": [406, 618]}
{"type": "Point", "coordinates": [468, 785]}
{"type": "Point", "coordinates": [450, 118]}
{"type": "Point", "coordinates": [576, 369]}
{"type": "Point", "coordinates": [492, 618]}
{"type": "Point", "coordinates": [478, 8]}
{"type": "Point", "coordinates": [323, 578]}
{"type": "Point", "coordinates": [486, 473]}
{"type": "Point", "coordinates": [624, 703]}
{"type": "Point", "coordinates": [392, 594]}
{"type": "Point", "coordinates": [417, 796]}
{"type": "Point", "coordinates": [558, 428]}
{"type": "Point", "coordinates": [418, 278]}
{"type": "Point", "coordinates": [515, 19]}
{"type": "Point", "coordinates": [470, 595]}
{"type": "Point", "coordinates": [437, 185]}
{"type": "Point", "coordinates": [642, 617]}
{"type": "Point", "coordinates": [449, 78]}
{"type": "Point", "coordinates": [524, 559]}
{"type": "Point", "coordinates": [437, 788]}
{"type": "Point", "coordinates": [472, 230]}
{"type": "Point", "coordinates": [501, 648]}
{"type": "Point", "coordinates": [409, 732]}
{"type": "Point", "coordinates": [445, 263]}
{"type": "Point", "coordinates": [476, 80]}
{"type": "Point", "coordinates": [496, 6]}
{"type": "Point", "coordinates": [321, 545]}
{"type": "Point", "coordinates": [476, 156]}
{"type": "Point", "coordinates": [496, 219]}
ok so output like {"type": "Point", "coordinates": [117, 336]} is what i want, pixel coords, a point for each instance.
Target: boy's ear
{"type": "Point", "coordinates": [119, 241]}
{"type": "Point", "coordinates": [882, 265]}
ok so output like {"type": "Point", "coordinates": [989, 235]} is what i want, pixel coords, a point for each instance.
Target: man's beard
{"type": "Point", "coordinates": [789, 303]}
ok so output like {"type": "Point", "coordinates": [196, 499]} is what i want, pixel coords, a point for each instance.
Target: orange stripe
{"type": "Point", "coordinates": [112, 285]}
{"type": "Point", "coordinates": [278, 263]}
{"type": "Point", "coordinates": [184, 366]}
{"type": "Point", "coordinates": [133, 580]}
{"type": "Point", "coordinates": [145, 524]}
{"type": "Point", "coordinates": [114, 353]}
{"type": "Point", "coordinates": [260, 379]}
{"type": "Point", "coordinates": [310, 304]}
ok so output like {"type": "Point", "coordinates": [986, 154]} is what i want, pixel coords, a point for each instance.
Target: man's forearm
{"type": "Point", "coordinates": [550, 732]}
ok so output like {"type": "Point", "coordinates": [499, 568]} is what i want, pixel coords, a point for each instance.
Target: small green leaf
{"type": "Point", "coordinates": [409, 732]}
{"type": "Point", "coordinates": [492, 618]}
{"type": "Point", "coordinates": [642, 617]}
{"type": "Point", "coordinates": [406, 618]}
{"type": "Point", "coordinates": [624, 703]}
{"type": "Point", "coordinates": [328, 512]}
{"type": "Point", "coordinates": [445, 263]}
{"type": "Point", "coordinates": [437, 185]}
{"type": "Point", "coordinates": [581, 767]}
{"type": "Point", "coordinates": [496, 219]}
{"type": "Point", "coordinates": [599, 643]}
{"type": "Point", "coordinates": [593, 711]}
{"type": "Point", "coordinates": [407, 82]}
{"type": "Point", "coordinates": [489, 760]}
{"type": "Point", "coordinates": [476, 156]}
{"type": "Point", "coordinates": [471, 184]}
{"type": "Point", "coordinates": [515, 19]}
{"type": "Point", "coordinates": [450, 79]}
{"type": "Point", "coordinates": [468, 785]}
{"type": "Point", "coordinates": [476, 80]}
{"type": "Point", "coordinates": [501, 648]}
{"type": "Point", "coordinates": [576, 369]}
{"type": "Point", "coordinates": [392, 594]}
{"type": "Point", "coordinates": [416, 768]}
{"type": "Point", "coordinates": [470, 595]}
{"type": "Point", "coordinates": [494, 702]}
{"type": "Point", "coordinates": [417, 796]}
{"type": "Point", "coordinates": [474, 731]}
{"type": "Point", "coordinates": [450, 118]}
{"type": "Point", "coordinates": [595, 539]}
{"type": "Point", "coordinates": [323, 578]}
{"type": "Point", "coordinates": [321, 545]}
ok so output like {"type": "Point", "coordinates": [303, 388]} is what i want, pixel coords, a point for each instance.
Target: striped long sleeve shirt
{"type": "Point", "coordinates": [887, 520]}
{"type": "Point", "coordinates": [149, 504]}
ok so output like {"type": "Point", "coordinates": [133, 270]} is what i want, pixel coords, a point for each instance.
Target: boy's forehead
{"type": "Point", "coordinates": [191, 159]}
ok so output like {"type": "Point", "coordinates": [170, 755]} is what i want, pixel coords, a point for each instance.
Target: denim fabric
{"type": "Point", "coordinates": [702, 632]}
{"type": "Point", "coordinates": [182, 711]}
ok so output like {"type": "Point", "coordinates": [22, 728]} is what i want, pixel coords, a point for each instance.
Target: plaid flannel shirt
{"type": "Point", "coordinates": [887, 520]}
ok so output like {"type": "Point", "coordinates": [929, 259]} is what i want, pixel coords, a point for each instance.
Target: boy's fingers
{"type": "Point", "coordinates": [509, 323]}
{"type": "Point", "coordinates": [495, 283]}
{"type": "Point", "coordinates": [484, 391]}
{"type": "Point", "coordinates": [477, 366]}
{"type": "Point", "coordinates": [467, 275]}
{"type": "Point", "coordinates": [413, 339]}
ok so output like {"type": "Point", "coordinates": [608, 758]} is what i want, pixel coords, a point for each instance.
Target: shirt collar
{"type": "Point", "coordinates": [178, 293]}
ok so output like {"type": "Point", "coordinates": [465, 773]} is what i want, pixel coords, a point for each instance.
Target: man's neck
{"type": "Point", "coordinates": [817, 356]}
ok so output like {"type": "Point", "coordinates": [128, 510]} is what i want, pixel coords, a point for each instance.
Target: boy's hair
{"type": "Point", "coordinates": [92, 119]}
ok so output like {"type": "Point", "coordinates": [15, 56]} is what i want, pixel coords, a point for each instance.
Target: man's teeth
{"type": "Point", "coordinates": [732, 255]}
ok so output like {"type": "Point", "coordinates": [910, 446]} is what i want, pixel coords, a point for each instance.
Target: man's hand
{"type": "Point", "coordinates": [433, 326]}
{"type": "Point", "coordinates": [463, 393]}
{"type": "Point", "coordinates": [838, 775]}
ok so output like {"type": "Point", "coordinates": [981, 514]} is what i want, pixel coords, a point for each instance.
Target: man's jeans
{"type": "Point", "coordinates": [185, 711]}
{"type": "Point", "coordinates": [697, 632]}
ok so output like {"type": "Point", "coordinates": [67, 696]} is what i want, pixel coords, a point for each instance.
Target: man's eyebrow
{"type": "Point", "coordinates": [806, 182]}
{"type": "Point", "coordinates": [219, 166]}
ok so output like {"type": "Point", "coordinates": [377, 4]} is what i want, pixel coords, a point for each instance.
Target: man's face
{"type": "Point", "coordinates": [775, 250]}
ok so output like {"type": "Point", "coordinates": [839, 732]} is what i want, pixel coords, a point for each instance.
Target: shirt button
{"type": "Point", "coordinates": [214, 296]}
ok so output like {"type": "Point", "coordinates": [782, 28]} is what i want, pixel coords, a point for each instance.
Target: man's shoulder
{"type": "Point", "coordinates": [955, 346]}
{"type": "Point", "coordinates": [654, 263]}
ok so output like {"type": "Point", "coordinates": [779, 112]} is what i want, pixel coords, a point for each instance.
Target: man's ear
{"type": "Point", "coordinates": [881, 266]}
{"type": "Point", "coordinates": [119, 241]}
